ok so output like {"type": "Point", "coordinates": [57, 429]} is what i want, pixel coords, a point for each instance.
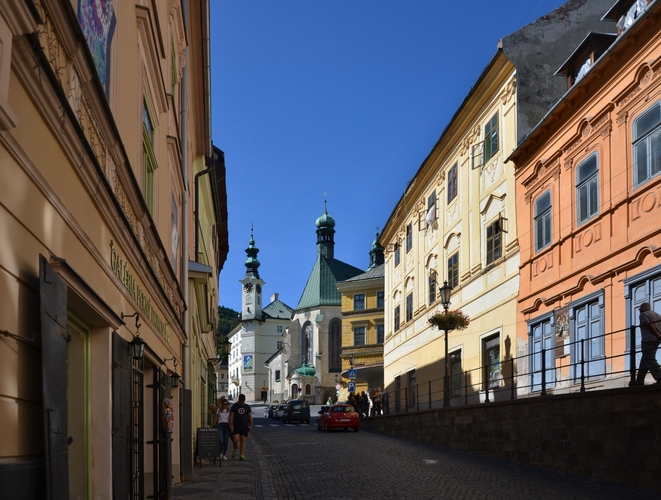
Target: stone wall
{"type": "Point", "coordinates": [611, 435]}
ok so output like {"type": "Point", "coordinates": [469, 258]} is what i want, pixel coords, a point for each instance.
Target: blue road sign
{"type": "Point", "coordinates": [352, 373]}
{"type": "Point", "coordinates": [352, 387]}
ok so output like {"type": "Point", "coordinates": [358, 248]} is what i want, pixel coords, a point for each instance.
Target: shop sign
{"type": "Point", "coordinates": [121, 269]}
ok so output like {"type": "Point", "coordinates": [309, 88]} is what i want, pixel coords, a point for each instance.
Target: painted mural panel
{"type": "Point", "coordinates": [97, 19]}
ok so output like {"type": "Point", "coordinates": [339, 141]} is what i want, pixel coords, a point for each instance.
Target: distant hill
{"type": "Point", "coordinates": [227, 320]}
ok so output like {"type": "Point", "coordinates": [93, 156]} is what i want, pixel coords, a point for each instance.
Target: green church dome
{"type": "Point", "coordinates": [306, 370]}
{"type": "Point", "coordinates": [325, 220]}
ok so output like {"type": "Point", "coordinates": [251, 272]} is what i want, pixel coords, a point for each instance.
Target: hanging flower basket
{"type": "Point", "coordinates": [449, 320]}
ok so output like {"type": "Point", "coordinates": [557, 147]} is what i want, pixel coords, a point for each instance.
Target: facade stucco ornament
{"type": "Point", "coordinates": [508, 92]}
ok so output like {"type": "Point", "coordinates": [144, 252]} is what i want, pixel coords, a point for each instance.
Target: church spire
{"type": "Point", "coordinates": [252, 264]}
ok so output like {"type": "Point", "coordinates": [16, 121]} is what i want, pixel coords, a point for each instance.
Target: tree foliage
{"type": "Point", "coordinates": [227, 320]}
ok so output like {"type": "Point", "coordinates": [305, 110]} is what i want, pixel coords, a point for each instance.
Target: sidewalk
{"type": "Point", "coordinates": [234, 479]}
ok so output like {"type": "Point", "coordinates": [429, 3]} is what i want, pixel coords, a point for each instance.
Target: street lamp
{"type": "Point", "coordinates": [351, 360]}
{"type": "Point", "coordinates": [445, 292]}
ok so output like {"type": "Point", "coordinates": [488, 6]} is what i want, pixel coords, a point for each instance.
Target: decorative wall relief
{"type": "Point", "coordinates": [645, 204]}
{"type": "Point", "coordinates": [586, 238]}
{"type": "Point", "coordinates": [452, 212]}
{"type": "Point", "coordinates": [97, 19]}
{"type": "Point", "coordinates": [543, 264]}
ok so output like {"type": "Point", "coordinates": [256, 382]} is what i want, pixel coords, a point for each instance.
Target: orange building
{"type": "Point", "coordinates": [588, 192]}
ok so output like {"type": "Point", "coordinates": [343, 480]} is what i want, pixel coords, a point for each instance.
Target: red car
{"type": "Point", "coordinates": [338, 416]}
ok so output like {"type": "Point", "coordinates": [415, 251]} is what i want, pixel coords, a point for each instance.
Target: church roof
{"type": "Point", "coordinates": [370, 274]}
{"type": "Point", "coordinates": [278, 310]}
{"type": "Point", "coordinates": [321, 287]}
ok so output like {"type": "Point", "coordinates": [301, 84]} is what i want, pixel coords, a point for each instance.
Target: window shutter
{"type": "Point", "coordinates": [477, 155]}
{"type": "Point", "coordinates": [121, 417]}
{"type": "Point", "coordinates": [54, 340]}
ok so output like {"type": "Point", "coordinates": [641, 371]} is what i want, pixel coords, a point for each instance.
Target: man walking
{"type": "Point", "coordinates": [240, 425]}
{"type": "Point", "coordinates": [650, 329]}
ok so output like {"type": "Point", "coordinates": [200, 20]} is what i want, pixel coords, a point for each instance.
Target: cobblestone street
{"type": "Point", "coordinates": [299, 462]}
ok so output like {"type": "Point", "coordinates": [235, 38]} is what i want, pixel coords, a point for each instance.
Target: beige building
{"type": "Point", "coordinates": [104, 124]}
{"type": "Point", "coordinates": [456, 222]}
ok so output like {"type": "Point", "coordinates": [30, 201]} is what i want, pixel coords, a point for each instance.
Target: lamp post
{"type": "Point", "coordinates": [445, 292]}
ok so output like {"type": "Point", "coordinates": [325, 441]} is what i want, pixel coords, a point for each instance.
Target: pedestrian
{"type": "Point", "coordinates": [358, 404]}
{"type": "Point", "coordinates": [240, 424]}
{"type": "Point", "coordinates": [377, 401]}
{"type": "Point", "coordinates": [364, 404]}
{"type": "Point", "coordinates": [650, 338]}
{"type": "Point", "coordinates": [223, 425]}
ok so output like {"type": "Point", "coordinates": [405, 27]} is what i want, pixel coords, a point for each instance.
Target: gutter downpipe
{"type": "Point", "coordinates": [206, 39]}
{"type": "Point", "coordinates": [184, 257]}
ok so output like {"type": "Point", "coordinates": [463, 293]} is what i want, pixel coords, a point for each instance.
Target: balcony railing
{"type": "Point", "coordinates": [532, 375]}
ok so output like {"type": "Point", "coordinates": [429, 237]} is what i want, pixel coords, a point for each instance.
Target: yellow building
{"type": "Point", "coordinates": [362, 326]}
{"type": "Point", "coordinates": [104, 126]}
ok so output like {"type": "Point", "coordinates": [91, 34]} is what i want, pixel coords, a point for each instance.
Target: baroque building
{"type": "Point", "coordinates": [456, 224]}
{"type": "Point", "coordinates": [310, 360]}
{"type": "Point", "coordinates": [104, 130]}
{"type": "Point", "coordinates": [588, 181]}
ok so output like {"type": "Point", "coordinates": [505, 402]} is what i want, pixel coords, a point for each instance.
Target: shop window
{"type": "Point", "coordinates": [412, 387]}
{"type": "Point", "coordinates": [540, 336]}
{"type": "Point", "coordinates": [491, 360]}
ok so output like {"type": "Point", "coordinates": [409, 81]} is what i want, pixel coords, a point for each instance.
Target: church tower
{"type": "Point", "coordinates": [326, 235]}
{"type": "Point", "coordinates": [376, 254]}
{"type": "Point", "coordinates": [251, 298]}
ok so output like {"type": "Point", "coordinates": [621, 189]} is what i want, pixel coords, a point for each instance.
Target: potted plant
{"type": "Point", "coordinates": [449, 320]}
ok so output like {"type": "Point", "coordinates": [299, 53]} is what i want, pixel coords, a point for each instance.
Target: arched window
{"type": "Point", "coordinates": [335, 345]}
{"type": "Point", "coordinates": [294, 391]}
{"type": "Point", "coordinates": [307, 343]}
{"type": "Point", "coordinates": [308, 389]}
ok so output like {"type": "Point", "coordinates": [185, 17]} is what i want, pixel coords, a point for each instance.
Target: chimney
{"type": "Point", "coordinates": [274, 297]}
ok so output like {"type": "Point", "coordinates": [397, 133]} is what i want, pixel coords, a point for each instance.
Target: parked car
{"type": "Point", "coordinates": [338, 416]}
{"type": "Point", "coordinates": [272, 409]}
{"type": "Point", "coordinates": [279, 411]}
{"type": "Point", "coordinates": [297, 409]}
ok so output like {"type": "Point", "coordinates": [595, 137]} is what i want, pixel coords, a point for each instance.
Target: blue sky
{"type": "Point", "coordinates": [343, 97]}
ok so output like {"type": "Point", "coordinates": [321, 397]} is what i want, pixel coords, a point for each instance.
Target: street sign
{"type": "Point", "coordinates": [353, 373]}
{"type": "Point", "coordinates": [338, 386]}
{"type": "Point", "coordinates": [352, 387]}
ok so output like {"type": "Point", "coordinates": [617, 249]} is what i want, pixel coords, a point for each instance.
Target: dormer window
{"type": "Point", "coordinates": [625, 12]}
{"type": "Point", "coordinates": [586, 54]}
